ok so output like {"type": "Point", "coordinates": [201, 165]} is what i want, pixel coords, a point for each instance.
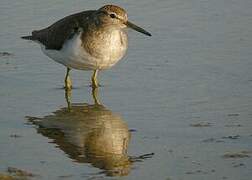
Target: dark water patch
{"type": "Point", "coordinates": [223, 139]}
{"type": "Point", "coordinates": [232, 137]}
{"type": "Point", "coordinates": [196, 163]}
{"type": "Point", "coordinates": [234, 114]}
{"type": "Point", "coordinates": [201, 124]}
{"type": "Point", "coordinates": [212, 140]}
{"type": "Point", "coordinates": [15, 136]}
{"type": "Point", "coordinates": [233, 125]}
{"type": "Point", "coordinates": [69, 176]}
{"type": "Point", "coordinates": [237, 155]}
{"type": "Point", "coordinates": [236, 165]}
{"type": "Point", "coordinates": [133, 130]}
{"type": "Point", "coordinates": [6, 54]}
{"type": "Point", "coordinates": [199, 172]}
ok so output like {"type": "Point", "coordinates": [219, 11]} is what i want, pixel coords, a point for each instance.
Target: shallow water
{"type": "Point", "coordinates": [184, 94]}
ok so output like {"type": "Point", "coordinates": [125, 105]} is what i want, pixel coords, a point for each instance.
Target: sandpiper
{"type": "Point", "coordinates": [89, 40]}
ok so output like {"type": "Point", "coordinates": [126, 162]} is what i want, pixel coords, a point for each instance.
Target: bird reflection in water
{"type": "Point", "coordinates": [90, 134]}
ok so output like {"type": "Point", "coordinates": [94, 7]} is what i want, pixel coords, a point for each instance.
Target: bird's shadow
{"type": "Point", "coordinates": [90, 133]}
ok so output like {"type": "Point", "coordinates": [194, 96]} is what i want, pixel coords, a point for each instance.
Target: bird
{"type": "Point", "coordinates": [91, 40]}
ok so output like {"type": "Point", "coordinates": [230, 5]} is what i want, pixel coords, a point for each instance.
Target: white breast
{"type": "Point", "coordinates": [73, 55]}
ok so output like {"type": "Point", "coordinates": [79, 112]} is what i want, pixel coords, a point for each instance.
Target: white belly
{"type": "Point", "coordinates": [73, 55]}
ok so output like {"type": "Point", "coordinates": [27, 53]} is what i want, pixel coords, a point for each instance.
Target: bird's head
{"type": "Point", "coordinates": [117, 16]}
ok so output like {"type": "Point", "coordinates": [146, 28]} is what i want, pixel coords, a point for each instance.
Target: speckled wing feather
{"type": "Point", "coordinates": [54, 36]}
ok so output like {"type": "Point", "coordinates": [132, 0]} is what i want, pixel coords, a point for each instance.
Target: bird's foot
{"type": "Point", "coordinates": [94, 86]}
{"type": "Point", "coordinates": [68, 88]}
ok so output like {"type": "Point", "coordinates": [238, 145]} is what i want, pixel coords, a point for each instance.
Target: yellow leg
{"type": "Point", "coordinates": [68, 95]}
{"type": "Point", "coordinates": [95, 96]}
{"type": "Point", "coordinates": [68, 83]}
{"type": "Point", "coordinates": [94, 79]}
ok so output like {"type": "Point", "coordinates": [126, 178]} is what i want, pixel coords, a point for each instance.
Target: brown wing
{"type": "Point", "coordinates": [54, 36]}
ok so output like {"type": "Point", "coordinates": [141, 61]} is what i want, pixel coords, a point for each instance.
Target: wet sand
{"type": "Point", "coordinates": [178, 106]}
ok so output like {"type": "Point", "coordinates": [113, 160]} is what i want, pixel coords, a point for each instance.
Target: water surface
{"type": "Point", "coordinates": [184, 94]}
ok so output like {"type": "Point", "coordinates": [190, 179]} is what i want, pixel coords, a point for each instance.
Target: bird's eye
{"type": "Point", "coordinates": [112, 15]}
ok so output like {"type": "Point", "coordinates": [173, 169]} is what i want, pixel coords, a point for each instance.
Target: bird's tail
{"type": "Point", "coordinates": [28, 37]}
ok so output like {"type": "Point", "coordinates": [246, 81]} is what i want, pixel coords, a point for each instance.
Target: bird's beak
{"type": "Point", "coordinates": [137, 28]}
